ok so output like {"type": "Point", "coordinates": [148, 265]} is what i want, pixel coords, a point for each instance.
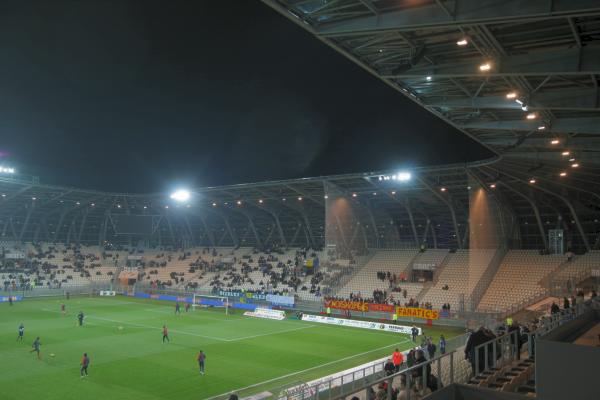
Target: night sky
{"type": "Point", "coordinates": [139, 96]}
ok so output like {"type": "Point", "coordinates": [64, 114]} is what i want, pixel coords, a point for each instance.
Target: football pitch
{"type": "Point", "coordinates": [122, 337]}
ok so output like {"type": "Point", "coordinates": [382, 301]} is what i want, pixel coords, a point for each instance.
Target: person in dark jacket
{"type": "Point", "coordinates": [389, 367]}
{"type": "Point", "coordinates": [477, 338]}
{"type": "Point", "coordinates": [554, 309]}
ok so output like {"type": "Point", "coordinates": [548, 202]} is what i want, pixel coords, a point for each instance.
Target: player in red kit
{"type": "Point", "coordinates": [165, 334]}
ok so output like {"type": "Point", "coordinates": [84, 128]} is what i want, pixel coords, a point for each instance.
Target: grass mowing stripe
{"type": "Point", "coordinates": [308, 369]}
{"type": "Point", "coordinates": [193, 334]}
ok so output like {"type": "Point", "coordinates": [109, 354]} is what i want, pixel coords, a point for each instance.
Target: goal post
{"type": "Point", "coordinates": [200, 300]}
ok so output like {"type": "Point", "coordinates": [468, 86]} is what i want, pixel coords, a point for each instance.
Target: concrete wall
{"type": "Point", "coordinates": [564, 370]}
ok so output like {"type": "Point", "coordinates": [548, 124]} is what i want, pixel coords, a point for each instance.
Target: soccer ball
{"type": "Point", "coordinates": [120, 328]}
{"type": "Point", "coordinates": [52, 354]}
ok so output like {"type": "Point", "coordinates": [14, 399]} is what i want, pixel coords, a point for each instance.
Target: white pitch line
{"type": "Point", "coordinates": [306, 370]}
{"type": "Point", "coordinates": [271, 333]}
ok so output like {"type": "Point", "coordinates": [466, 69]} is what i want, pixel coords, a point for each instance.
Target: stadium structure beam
{"type": "Point", "coordinates": [450, 207]}
{"type": "Point", "coordinates": [189, 229]}
{"type": "Point", "coordinates": [535, 208]}
{"type": "Point", "coordinates": [564, 200]}
{"type": "Point", "coordinates": [573, 61]}
{"type": "Point", "coordinates": [369, 4]}
{"type": "Point", "coordinates": [26, 222]}
{"type": "Point", "coordinates": [209, 233]}
{"type": "Point", "coordinates": [253, 229]}
{"type": "Point", "coordinates": [578, 99]}
{"type": "Point", "coordinates": [372, 219]}
{"type": "Point", "coordinates": [275, 217]}
{"type": "Point", "coordinates": [59, 225]}
{"type": "Point", "coordinates": [412, 221]}
{"type": "Point", "coordinates": [233, 237]}
{"type": "Point", "coordinates": [82, 225]}
{"type": "Point", "coordinates": [571, 125]}
{"type": "Point", "coordinates": [464, 13]}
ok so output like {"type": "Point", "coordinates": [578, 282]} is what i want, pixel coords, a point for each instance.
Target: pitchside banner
{"type": "Point", "coordinates": [378, 326]}
{"type": "Point", "coordinates": [417, 312]}
{"type": "Point", "coordinates": [347, 305]}
{"type": "Point", "coordinates": [4, 299]}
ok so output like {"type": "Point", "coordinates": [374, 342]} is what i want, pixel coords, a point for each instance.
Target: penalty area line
{"type": "Point", "coordinates": [306, 370]}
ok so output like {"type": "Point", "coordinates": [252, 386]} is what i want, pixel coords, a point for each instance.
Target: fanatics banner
{"type": "Point", "coordinates": [417, 312]}
{"type": "Point", "coordinates": [387, 308]}
{"type": "Point", "coordinates": [347, 305]}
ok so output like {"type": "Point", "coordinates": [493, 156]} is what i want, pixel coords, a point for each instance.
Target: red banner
{"type": "Point", "coordinates": [347, 305]}
{"type": "Point", "coordinates": [417, 312]}
{"type": "Point", "coordinates": [388, 308]}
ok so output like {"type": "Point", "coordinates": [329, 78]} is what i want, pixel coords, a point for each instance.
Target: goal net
{"type": "Point", "coordinates": [205, 301]}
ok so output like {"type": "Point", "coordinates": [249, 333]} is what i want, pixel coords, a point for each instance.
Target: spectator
{"type": "Point", "coordinates": [398, 359]}
{"type": "Point", "coordinates": [389, 367]}
{"type": "Point", "coordinates": [554, 309]}
{"type": "Point", "coordinates": [431, 348]}
{"type": "Point", "coordinates": [442, 344]}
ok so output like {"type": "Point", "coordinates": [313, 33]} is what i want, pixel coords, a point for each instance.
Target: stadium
{"type": "Point", "coordinates": [482, 274]}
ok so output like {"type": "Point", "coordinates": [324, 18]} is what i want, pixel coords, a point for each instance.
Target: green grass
{"type": "Point", "coordinates": [133, 363]}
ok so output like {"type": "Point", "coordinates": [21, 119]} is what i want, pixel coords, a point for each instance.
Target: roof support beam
{"type": "Point", "coordinates": [574, 61]}
{"type": "Point", "coordinates": [466, 12]}
{"type": "Point", "coordinates": [566, 125]}
{"type": "Point", "coordinates": [535, 208]}
{"type": "Point", "coordinates": [579, 99]}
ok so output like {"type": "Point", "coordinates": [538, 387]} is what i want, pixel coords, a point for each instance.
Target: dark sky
{"type": "Point", "coordinates": [139, 95]}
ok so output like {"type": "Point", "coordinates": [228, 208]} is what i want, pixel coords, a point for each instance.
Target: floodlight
{"type": "Point", "coordinates": [6, 170]}
{"type": "Point", "coordinates": [404, 176]}
{"type": "Point", "coordinates": [180, 195]}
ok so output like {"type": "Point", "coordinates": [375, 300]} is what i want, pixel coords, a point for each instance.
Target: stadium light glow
{"type": "Point", "coordinates": [555, 141]}
{"type": "Point", "coordinates": [485, 67]}
{"type": "Point", "coordinates": [393, 193]}
{"type": "Point", "coordinates": [325, 197]}
{"type": "Point", "coordinates": [571, 159]}
{"type": "Point", "coordinates": [511, 95]}
{"type": "Point", "coordinates": [531, 116]}
{"type": "Point", "coordinates": [428, 78]}
{"type": "Point", "coordinates": [299, 198]}
{"type": "Point", "coordinates": [541, 127]}
{"type": "Point", "coordinates": [462, 42]}
{"type": "Point", "coordinates": [532, 181]}
{"type": "Point", "coordinates": [563, 174]}
{"type": "Point", "coordinates": [575, 165]}
{"type": "Point", "coordinates": [6, 170]}
{"type": "Point", "coordinates": [443, 189]}
{"type": "Point", "coordinates": [260, 201]}
{"type": "Point", "coordinates": [493, 186]}
{"type": "Point", "coordinates": [239, 202]}
{"type": "Point", "coordinates": [354, 195]}
{"type": "Point", "coordinates": [566, 153]}
{"type": "Point", "coordinates": [214, 204]}
{"type": "Point", "coordinates": [404, 176]}
{"type": "Point", "coordinates": [180, 195]}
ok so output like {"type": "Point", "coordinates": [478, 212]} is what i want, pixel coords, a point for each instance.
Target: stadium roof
{"type": "Point", "coordinates": [460, 59]}
{"type": "Point", "coordinates": [432, 207]}
{"type": "Point", "coordinates": [545, 175]}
